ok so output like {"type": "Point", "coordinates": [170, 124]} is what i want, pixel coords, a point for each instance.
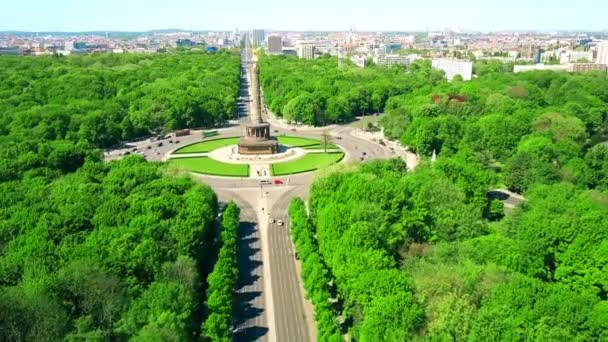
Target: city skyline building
{"type": "Point", "coordinates": [453, 67]}
{"type": "Point", "coordinates": [275, 44]}
{"type": "Point", "coordinates": [388, 60]}
{"type": "Point", "coordinates": [602, 53]}
{"type": "Point", "coordinates": [258, 37]}
{"type": "Point", "coordinates": [306, 50]}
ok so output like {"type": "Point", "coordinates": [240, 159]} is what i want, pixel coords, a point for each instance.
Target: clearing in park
{"type": "Point", "coordinates": [309, 162]}
{"type": "Point", "coordinates": [207, 145]}
{"type": "Point", "coordinates": [210, 166]}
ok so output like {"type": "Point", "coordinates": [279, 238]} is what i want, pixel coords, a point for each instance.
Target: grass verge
{"type": "Point", "coordinates": [305, 143]}
{"type": "Point", "coordinates": [207, 145]}
{"type": "Point", "coordinates": [210, 166]}
{"type": "Point", "coordinates": [309, 162]}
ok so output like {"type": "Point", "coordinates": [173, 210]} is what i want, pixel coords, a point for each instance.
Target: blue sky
{"type": "Point", "coordinates": [368, 15]}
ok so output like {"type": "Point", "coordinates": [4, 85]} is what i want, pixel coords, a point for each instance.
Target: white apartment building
{"type": "Point", "coordinates": [571, 67]}
{"type": "Point", "coordinates": [602, 53]}
{"type": "Point", "coordinates": [358, 60]}
{"type": "Point", "coordinates": [388, 60]}
{"type": "Point", "coordinates": [551, 67]}
{"type": "Point", "coordinates": [570, 56]}
{"type": "Point", "coordinates": [453, 67]}
{"type": "Point", "coordinates": [306, 50]}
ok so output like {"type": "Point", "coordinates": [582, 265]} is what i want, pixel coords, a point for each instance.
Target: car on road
{"type": "Point", "coordinates": [265, 181]}
{"type": "Point", "coordinates": [159, 144]}
{"type": "Point", "coordinates": [278, 182]}
{"type": "Point", "coordinates": [364, 153]}
{"type": "Point", "coordinates": [339, 137]}
{"type": "Point", "coordinates": [271, 220]}
{"type": "Point", "coordinates": [276, 131]}
{"type": "Point", "coordinates": [293, 129]}
{"type": "Point", "coordinates": [280, 223]}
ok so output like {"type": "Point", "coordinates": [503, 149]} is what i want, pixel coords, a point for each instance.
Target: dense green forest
{"type": "Point", "coordinates": [112, 251]}
{"type": "Point", "coordinates": [415, 256]}
{"type": "Point", "coordinates": [428, 255]}
{"type": "Point", "coordinates": [535, 127]}
{"type": "Point", "coordinates": [318, 92]}
{"type": "Point", "coordinates": [104, 251]}
{"type": "Point", "coordinates": [54, 109]}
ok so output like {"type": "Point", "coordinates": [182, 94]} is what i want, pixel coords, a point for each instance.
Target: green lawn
{"type": "Point", "coordinates": [207, 145]}
{"type": "Point", "coordinates": [305, 143]}
{"type": "Point", "coordinates": [210, 166]}
{"type": "Point", "coordinates": [309, 162]}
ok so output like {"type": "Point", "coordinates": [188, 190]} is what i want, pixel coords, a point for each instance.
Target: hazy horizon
{"type": "Point", "coordinates": [315, 15]}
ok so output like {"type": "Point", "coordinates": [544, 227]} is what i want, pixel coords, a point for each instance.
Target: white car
{"type": "Point", "coordinates": [271, 220]}
{"type": "Point", "coordinates": [279, 223]}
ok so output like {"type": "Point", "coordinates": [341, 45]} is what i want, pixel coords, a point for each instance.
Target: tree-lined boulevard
{"type": "Point", "coordinates": [392, 243]}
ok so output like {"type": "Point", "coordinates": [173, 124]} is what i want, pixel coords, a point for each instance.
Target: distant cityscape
{"type": "Point", "coordinates": [453, 52]}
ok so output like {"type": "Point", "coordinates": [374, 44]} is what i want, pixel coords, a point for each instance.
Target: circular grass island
{"type": "Point", "coordinates": [309, 162]}
{"type": "Point", "coordinates": [302, 155]}
{"type": "Point", "coordinates": [207, 146]}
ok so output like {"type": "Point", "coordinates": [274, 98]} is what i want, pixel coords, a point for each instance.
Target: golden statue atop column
{"type": "Point", "coordinates": [257, 139]}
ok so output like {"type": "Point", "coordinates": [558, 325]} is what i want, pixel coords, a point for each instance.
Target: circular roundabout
{"type": "Point", "coordinates": [220, 157]}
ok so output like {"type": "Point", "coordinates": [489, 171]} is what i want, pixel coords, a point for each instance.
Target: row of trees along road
{"type": "Point", "coordinates": [104, 251]}
{"type": "Point", "coordinates": [315, 275]}
{"type": "Point", "coordinates": [222, 281]}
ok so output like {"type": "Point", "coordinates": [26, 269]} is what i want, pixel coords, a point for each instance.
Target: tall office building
{"type": "Point", "coordinates": [258, 38]}
{"type": "Point", "coordinates": [537, 55]}
{"type": "Point", "coordinates": [275, 44]}
{"type": "Point", "coordinates": [602, 53]}
{"type": "Point", "coordinates": [306, 50]}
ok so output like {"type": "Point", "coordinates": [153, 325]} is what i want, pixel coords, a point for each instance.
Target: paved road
{"type": "Point", "coordinates": [290, 311]}
{"type": "Point", "coordinates": [270, 297]}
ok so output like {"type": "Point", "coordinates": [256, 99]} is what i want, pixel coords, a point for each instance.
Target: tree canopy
{"type": "Point", "coordinates": [112, 251]}
{"type": "Point", "coordinates": [416, 256]}
{"type": "Point", "coordinates": [82, 102]}
{"type": "Point", "coordinates": [104, 251]}
{"type": "Point", "coordinates": [318, 92]}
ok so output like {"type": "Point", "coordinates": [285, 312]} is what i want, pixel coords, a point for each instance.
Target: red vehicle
{"type": "Point", "coordinates": [278, 182]}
